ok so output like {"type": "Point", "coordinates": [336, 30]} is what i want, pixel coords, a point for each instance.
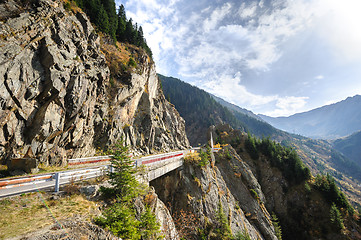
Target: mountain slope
{"type": "Point", "coordinates": [198, 109]}
{"type": "Point", "coordinates": [350, 147]}
{"type": "Point", "coordinates": [327, 122]}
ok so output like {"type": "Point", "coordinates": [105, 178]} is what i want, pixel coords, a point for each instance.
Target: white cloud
{"type": "Point", "coordinates": [319, 77]}
{"type": "Point", "coordinates": [212, 42]}
{"type": "Point", "coordinates": [247, 12]}
{"type": "Point", "coordinates": [339, 25]}
{"type": "Point", "coordinates": [230, 89]}
{"type": "Point", "coordinates": [217, 15]}
{"type": "Point", "coordinates": [286, 106]}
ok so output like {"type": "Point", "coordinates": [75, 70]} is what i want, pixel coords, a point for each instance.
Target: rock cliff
{"type": "Point", "coordinates": [199, 191]}
{"type": "Point", "coordinates": [57, 96]}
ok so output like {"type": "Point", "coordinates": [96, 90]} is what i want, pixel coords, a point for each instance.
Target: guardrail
{"type": "Point", "coordinates": [88, 160]}
{"type": "Point", "coordinates": [18, 185]}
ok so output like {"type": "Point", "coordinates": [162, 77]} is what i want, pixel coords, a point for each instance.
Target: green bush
{"type": "Point", "coordinates": [222, 229]}
{"type": "Point", "coordinates": [335, 217]}
{"type": "Point", "coordinates": [132, 63]}
{"type": "Point", "coordinates": [120, 219]}
{"type": "Point", "coordinates": [205, 157]}
{"type": "Point", "coordinates": [67, 6]}
{"type": "Point", "coordinates": [277, 226]}
{"type": "Point", "coordinates": [244, 235]}
{"type": "Point", "coordinates": [254, 194]}
{"type": "Point", "coordinates": [327, 185]}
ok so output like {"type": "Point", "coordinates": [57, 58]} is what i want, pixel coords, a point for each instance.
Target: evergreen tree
{"type": "Point", "coordinates": [102, 20]}
{"type": "Point", "coordinates": [140, 37]}
{"type": "Point", "coordinates": [122, 20]}
{"type": "Point", "coordinates": [122, 177]}
{"type": "Point", "coordinates": [128, 33]}
{"type": "Point", "coordinates": [109, 7]}
{"type": "Point", "coordinates": [335, 217]}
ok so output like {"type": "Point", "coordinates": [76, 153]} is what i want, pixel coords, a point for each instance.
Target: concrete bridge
{"type": "Point", "coordinates": [91, 167]}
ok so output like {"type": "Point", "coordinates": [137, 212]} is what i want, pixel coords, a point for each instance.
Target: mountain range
{"type": "Point", "coordinates": [328, 122]}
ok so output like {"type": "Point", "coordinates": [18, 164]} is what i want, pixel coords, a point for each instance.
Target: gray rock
{"type": "Point", "coordinates": [54, 93]}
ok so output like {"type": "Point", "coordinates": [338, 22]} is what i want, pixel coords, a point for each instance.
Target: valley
{"type": "Point", "coordinates": [78, 79]}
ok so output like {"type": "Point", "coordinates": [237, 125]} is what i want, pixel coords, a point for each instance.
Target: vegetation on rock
{"type": "Point", "coordinates": [121, 217]}
{"type": "Point", "coordinates": [284, 158]}
{"type": "Point", "coordinates": [104, 15]}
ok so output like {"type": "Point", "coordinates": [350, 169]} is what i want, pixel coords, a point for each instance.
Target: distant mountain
{"type": "Point", "coordinates": [327, 122]}
{"type": "Point", "coordinates": [350, 147]}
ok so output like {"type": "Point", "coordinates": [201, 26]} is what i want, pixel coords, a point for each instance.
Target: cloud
{"type": "Point", "coordinates": [247, 12]}
{"type": "Point", "coordinates": [338, 24]}
{"type": "Point", "coordinates": [230, 89]}
{"type": "Point", "coordinates": [216, 45]}
{"type": "Point", "coordinates": [286, 106]}
{"type": "Point", "coordinates": [217, 15]}
{"type": "Point", "coordinates": [319, 77]}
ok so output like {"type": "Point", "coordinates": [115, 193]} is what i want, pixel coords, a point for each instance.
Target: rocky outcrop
{"type": "Point", "coordinates": [55, 95]}
{"type": "Point", "coordinates": [161, 212]}
{"type": "Point", "coordinates": [198, 191]}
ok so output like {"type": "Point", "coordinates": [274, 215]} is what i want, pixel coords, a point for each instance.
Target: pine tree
{"type": "Point", "coordinates": [128, 33]}
{"type": "Point", "coordinates": [335, 217]}
{"type": "Point", "coordinates": [102, 20]}
{"type": "Point", "coordinates": [122, 21]}
{"type": "Point", "coordinates": [109, 7]}
{"type": "Point", "coordinates": [122, 178]}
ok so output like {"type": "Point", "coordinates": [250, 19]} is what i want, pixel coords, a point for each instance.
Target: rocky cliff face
{"type": "Point", "coordinates": [56, 96]}
{"type": "Point", "coordinates": [198, 191]}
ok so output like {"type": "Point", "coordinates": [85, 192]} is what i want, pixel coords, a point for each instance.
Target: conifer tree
{"type": "Point", "coordinates": [102, 20]}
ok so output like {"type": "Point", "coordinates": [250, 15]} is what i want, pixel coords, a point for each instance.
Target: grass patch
{"type": "Point", "coordinates": [29, 212]}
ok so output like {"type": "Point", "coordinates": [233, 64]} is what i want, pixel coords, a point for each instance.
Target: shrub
{"type": "Point", "coordinates": [335, 217]}
{"type": "Point", "coordinates": [277, 226]}
{"type": "Point", "coordinates": [244, 235]}
{"type": "Point", "coordinates": [67, 6]}
{"type": "Point", "coordinates": [192, 158]}
{"type": "Point", "coordinates": [120, 219]}
{"type": "Point", "coordinates": [254, 194]}
{"type": "Point", "coordinates": [222, 229]}
{"type": "Point", "coordinates": [132, 63]}
{"type": "Point", "coordinates": [327, 185]}
{"type": "Point", "coordinates": [205, 157]}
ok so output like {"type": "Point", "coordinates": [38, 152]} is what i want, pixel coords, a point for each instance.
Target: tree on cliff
{"type": "Point", "coordinates": [104, 15]}
{"type": "Point", "coordinates": [122, 217]}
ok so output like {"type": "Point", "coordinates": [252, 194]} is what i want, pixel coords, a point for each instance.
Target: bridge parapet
{"type": "Point", "coordinates": [156, 166]}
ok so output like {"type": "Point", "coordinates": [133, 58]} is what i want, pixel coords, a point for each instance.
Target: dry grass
{"type": "Point", "coordinates": [192, 158]}
{"type": "Point", "coordinates": [33, 211]}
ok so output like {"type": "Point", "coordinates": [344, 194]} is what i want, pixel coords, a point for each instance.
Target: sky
{"type": "Point", "coordinates": [273, 57]}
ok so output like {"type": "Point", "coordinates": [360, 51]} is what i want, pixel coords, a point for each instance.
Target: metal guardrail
{"type": "Point", "coordinates": [18, 185]}
{"type": "Point", "coordinates": [88, 160]}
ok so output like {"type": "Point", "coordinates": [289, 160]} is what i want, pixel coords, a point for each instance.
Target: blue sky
{"type": "Point", "coordinates": [275, 57]}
